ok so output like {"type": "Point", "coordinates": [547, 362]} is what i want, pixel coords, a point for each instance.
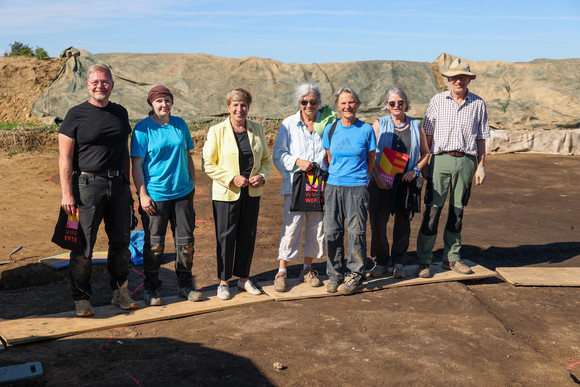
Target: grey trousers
{"type": "Point", "coordinates": [348, 204]}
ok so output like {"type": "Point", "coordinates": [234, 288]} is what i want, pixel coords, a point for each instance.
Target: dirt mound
{"type": "Point", "coordinates": [22, 79]}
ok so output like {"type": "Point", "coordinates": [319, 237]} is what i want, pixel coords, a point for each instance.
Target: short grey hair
{"type": "Point", "coordinates": [398, 91]}
{"type": "Point", "coordinates": [306, 88]}
{"type": "Point", "coordinates": [102, 68]}
{"type": "Point", "coordinates": [346, 89]}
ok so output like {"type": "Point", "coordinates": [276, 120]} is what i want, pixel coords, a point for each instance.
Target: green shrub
{"type": "Point", "coordinates": [21, 49]}
{"type": "Point", "coordinates": [40, 53]}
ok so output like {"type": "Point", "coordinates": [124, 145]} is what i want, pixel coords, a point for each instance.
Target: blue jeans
{"type": "Point", "coordinates": [181, 215]}
{"type": "Point", "coordinates": [110, 198]}
{"type": "Point", "coordinates": [345, 204]}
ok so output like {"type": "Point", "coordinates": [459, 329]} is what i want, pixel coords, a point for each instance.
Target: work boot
{"type": "Point", "coordinates": [353, 283]}
{"type": "Point", "coordinates": [332, 285]}
{"type": "Point", "coordinates": [379, 271]}
{"type": "Point", "coordinates": [152, 296]}
{"type": "Point", "coordinates": [457, 266]}
{"type": "Point", "coordinates": [399, 271]}
{"type": "Point", "coordinates": [122, 298]}
{"type": "Point", "coordinates": [280, 282]}
{"type": "Point", "coordinates": [310, 277]}
{"type": "Point", "coordinates": [83, 308]}
{"type": "Point", "coordinates": [423, 271]}
{"type": "Point", "coordinates": [190, 293]}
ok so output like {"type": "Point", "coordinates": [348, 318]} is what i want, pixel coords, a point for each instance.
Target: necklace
{"type": "Point", "coordinates": [402, 126]}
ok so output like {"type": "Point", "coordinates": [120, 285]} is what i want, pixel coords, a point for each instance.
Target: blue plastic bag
{"type": "Point", "coordinates": [136, 246]}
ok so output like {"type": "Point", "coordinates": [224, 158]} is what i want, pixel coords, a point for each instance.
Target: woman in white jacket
{"type": "Point", "coordinates": [297, 147]}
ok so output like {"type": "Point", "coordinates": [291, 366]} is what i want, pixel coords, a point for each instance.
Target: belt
{"type": "Point", "coordinates": [106, 174]}
{"type": "Point", "coordinates": [455, 153]}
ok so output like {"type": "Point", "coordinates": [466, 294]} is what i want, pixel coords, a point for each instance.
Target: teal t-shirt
{"type": "Point", "coordinates": [164, 149]}
{"type": "Point", "coordinates": [349, 147]}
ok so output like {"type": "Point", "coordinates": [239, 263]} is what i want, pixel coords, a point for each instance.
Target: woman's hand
{"type": "Point", "coordinates": [240, 181]}
{"type": "Point", "coordinates": [147, 204]}
{"type": "Point", "coordinates": [256, 181]}
{"type": "Point", "coordinates": [409, 175]}
{"type": "Point", "coordinates": [382, 183]}
{"type": "Point", "coordinates": [304, 165]}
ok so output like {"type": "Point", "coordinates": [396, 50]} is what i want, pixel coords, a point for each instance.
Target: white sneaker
{"type": "Point", "coordinates": [223, 292]}
{"type": "Point", "coordinates": [249, 287]}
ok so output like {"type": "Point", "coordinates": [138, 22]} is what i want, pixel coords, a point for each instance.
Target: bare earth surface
{"type": "Point", "coordinates": [460, 333]}
{"type": "Point", "coordinates": [22, 79]}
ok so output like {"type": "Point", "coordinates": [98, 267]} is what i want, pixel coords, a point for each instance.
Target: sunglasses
{"type": "Point", "coordinates": [312, 102]}
{"type": "Point", "coordinates": [393, 103]}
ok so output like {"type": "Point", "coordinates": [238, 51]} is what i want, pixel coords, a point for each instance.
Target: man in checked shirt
{"type": "Point", "coordinates": [456, 127]}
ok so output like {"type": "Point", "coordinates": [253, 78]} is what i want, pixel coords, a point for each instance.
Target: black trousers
{"type": "Point", "coordinates": [110, 199]}
{"type": "Point", "coordinates": [380, 202]}
{"type": "Point", "coordinates": [235, 230]}
{"type": "Point", "coordinates": [181, 215]}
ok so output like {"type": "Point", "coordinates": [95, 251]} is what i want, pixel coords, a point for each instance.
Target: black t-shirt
{"type": "Point", "coordinates": [245, 155]}
{"type": "Point", "coordinates": [402, 142]}
{"type": "Point", "coordinates": [100, 135]}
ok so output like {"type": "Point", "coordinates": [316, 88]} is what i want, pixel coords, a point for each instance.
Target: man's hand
{"type": "Point", "coordinates": [480, 175]}
{"type": "Point", "coordinates": [68, 204]}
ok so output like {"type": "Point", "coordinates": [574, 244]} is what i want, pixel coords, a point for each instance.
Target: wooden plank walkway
{"type": "Point", "coordinates": [298, 290]}
{"type": "Point", "coordinates": [64, 324]}
{"type": "Point", "coordinates": [540, 276]}
{"type": "Point", "coordinates": [13, 332]}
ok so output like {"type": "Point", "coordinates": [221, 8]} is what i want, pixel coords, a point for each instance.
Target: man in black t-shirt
{"type": "Point", "coordinates": [94, 175]}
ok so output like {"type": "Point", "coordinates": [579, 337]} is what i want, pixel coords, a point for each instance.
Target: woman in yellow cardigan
{"type": "Point", "coordinates": [236, 157]}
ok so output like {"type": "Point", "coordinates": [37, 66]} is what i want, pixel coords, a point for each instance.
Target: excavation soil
{"type": "Point", "coordinates": [461, 333]}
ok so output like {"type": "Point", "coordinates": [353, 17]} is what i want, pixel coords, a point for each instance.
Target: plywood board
{"type": "Point", "coordinates": [62, 261]}
{"type": "Point", "coordinates": [298, 290]}
{"type": "Point", "coordinates": [541, 276]}
{"type": "Point", "coordinates": [67, 324]}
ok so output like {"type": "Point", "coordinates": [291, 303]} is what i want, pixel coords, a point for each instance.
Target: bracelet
{"type": "Point", "coordinates": [417, 170]}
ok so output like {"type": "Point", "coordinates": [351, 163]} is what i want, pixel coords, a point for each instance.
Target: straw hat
{"type": "Point", "coordinates": [458, 67]}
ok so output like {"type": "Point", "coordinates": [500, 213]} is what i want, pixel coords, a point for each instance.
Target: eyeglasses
{"type": "Point", "coordinates": [312, 102]}
{"type": "Point", "coordinates": [400, 103]}
{"type": "Point", "coordinates": [462, 78]}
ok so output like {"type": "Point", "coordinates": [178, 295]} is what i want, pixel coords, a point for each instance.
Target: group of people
{"type": "Point", "coordinates": [95, 163]}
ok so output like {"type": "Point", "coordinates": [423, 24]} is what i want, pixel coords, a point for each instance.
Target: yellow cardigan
{"type": "Point", "coordinates": [220, 159]}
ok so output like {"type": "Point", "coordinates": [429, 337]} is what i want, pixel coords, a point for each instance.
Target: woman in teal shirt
{"type": "Point", "coordinates": [164, 176]}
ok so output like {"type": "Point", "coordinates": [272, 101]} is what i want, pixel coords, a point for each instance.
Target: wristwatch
{"type": "Point", "coordinates": [417, 170]}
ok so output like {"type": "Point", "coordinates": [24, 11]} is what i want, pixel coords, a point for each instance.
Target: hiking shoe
{"type": "Point", "coordinates": [122, 298]}
{"type": "Point", "coordinates": [399, 271]}
{"type": "Point", "coordinates": [332, 285]}
{"type": "Point", "coordinates": [457, 266]}
{"type": "Point", "coordinates": [379, 271]}
{"type": "Point", "coordinates": [152, 296]}
{"type": "Point", "coordinates": [423, 271]}
{"type": "Point", "coordinates": [190, 293]}
{"type": "Point", "coordinates": [351, 285]}
{"type": "Point", "coordinates": [223, 292]}
{"type": "Point", "coordinates": [310, 277]}
{"type": "Point", "coordinates": [280, 282]}
{"type": "Point", "coordinates": [83, 308]}
{"type": "Point", "coordinates": [249, 287]}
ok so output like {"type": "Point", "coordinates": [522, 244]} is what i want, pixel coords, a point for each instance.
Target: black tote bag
{"type": "Point", "coordinates": [308, 190]}
{"type": "Point", "coordinates": [70, 232]}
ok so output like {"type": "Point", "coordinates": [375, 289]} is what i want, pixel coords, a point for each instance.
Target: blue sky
{"type": "Point", "coordinates": [301, 31]}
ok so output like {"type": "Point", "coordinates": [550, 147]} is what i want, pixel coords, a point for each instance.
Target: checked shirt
{"type": "Point", "coordinates": [454, 127]}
